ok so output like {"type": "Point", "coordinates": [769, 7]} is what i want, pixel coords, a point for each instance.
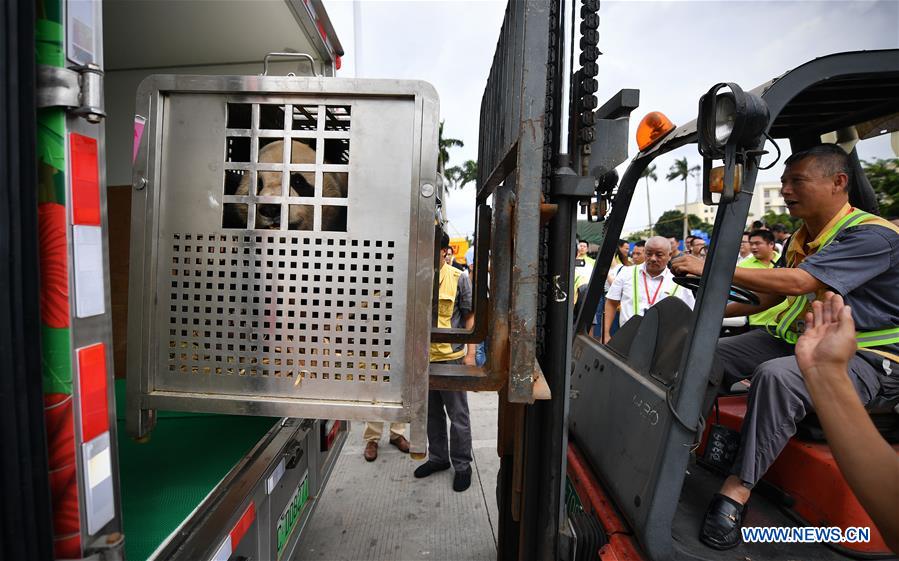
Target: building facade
{"type": "Point", "coordinates": [765, 199]}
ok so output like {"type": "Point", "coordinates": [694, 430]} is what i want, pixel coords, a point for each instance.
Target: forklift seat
{"type": "Point", "coordinates": [884, 414]}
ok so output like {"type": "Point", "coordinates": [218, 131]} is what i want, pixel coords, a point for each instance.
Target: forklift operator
{"type": "Point", "coordinates": [838, 248]}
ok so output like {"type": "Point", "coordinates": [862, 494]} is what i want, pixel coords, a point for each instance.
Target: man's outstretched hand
{"type": "Point", "coordinates": [829, 338]}
{"type": "Point", "coordinates": [686, 265]}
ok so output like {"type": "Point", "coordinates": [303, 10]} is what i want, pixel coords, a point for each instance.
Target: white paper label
{"type": "Point", "coordinates": [224, 551]}
{"type": "Point", "coordinates": [90, 295]}
{"type": "Point", "coordinates": [99, 495]}
{"type": "Point", "coordinates": [99, 469]}
{"type": "Point", "coordinates": [275, 477]}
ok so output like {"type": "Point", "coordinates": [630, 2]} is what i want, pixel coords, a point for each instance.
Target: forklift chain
{"type": "Point", "coordinates": [549, 155]}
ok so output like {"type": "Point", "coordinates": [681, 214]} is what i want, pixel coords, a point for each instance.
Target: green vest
{"type": "Point", "coordinates": [788, 327]}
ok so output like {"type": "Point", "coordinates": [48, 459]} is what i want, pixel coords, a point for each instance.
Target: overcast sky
{"type": "Point", "coordinates": [672, 51]}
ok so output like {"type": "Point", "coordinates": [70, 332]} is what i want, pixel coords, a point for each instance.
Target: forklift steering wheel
{"type": "Point", "coordinates": [737, 294]}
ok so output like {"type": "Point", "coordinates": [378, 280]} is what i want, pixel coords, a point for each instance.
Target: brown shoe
{"type": "Point", "coordinates": [401, 443]}
{"type": "Point", "coordinates": [371, 451]}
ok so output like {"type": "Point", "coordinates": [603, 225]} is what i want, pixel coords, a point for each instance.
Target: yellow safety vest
{"type": "Point", "coordinates": [788, 326]}
{"type": "Point", "coordinates": [446, 295]}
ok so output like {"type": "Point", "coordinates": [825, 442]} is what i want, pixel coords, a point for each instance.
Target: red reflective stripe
{"type": "Point", "coordinates": [240, 529]}
{"type": "Point", "coordinates": [332, 434]}
{"type": "Point", "coordinates": [93, 397]}
{"type": "Point", "coordinates": [85, 180]}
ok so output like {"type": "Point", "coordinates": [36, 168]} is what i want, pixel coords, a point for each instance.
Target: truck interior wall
{"type": "Point", "coordinates": [121, 89]}
{"type": "Point", "coordinates": [118, 202]}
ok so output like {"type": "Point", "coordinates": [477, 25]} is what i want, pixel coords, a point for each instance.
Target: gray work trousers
{"type": "Point", "coordinates": [778, 398]}
{"type": "Point", "coordinates": [458, 448]}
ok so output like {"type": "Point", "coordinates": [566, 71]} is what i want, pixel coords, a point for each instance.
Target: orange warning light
{"type": "Point", "coordinates": [653, 127]}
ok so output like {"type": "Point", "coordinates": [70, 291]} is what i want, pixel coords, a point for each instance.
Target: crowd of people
{"type": "Point", "coordinates": [761, 247]}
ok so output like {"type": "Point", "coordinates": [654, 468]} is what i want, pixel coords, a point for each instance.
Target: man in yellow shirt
{"type": "Point", "coordinates": [454, 310]}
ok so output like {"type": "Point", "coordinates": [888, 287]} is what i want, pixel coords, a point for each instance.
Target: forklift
{"type": "Point", "coordinates": [606, 468]}
{"type": "Point", "coordinates": [548, 151]}
{"type": "Point", "coordinates": [639, 456]}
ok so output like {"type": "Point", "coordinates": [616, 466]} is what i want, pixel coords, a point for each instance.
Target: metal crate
{"type": "Point", "coordinates": [282, 248]}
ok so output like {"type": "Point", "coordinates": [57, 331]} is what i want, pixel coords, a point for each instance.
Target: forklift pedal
{"type": "Point", "coordinates": [721, 448]}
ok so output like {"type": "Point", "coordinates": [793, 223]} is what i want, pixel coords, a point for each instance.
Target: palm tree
{"type": "Point", "coordinates": [459, 176]}
{"type": "Point", "coordinates": [444, 144]}
{"type": "Point", "coordinates": [649, 173]}
{"type": "Point", "coordinates": [682, 170]}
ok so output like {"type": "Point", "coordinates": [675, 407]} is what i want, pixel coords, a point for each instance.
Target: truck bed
{"type": "Point", "coordinates": [163, 480]}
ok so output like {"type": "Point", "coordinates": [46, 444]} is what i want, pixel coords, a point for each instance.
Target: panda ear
{"type": "Point", "coordinates": [300, 186]}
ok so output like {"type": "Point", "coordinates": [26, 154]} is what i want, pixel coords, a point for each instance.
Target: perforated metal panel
{"type": "Point", "coordinates": [314, 311]}
{"type": "Point", "coordinates": [282, 248]}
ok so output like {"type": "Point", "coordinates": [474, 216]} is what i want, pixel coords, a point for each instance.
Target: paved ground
{"type": "Point", "coordinates": [378, 511]}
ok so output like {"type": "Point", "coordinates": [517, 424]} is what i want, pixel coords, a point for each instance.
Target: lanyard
{"type": "Point", "coordinates": [651, 301]}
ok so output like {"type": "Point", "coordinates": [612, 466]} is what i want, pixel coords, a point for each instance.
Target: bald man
{"type": "Point", "coordinates": [638, 287]}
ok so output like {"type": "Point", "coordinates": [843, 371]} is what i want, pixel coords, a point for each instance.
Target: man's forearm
{"type": "Point", "coordinates": [766, 301]}
{"type": "Point", "coordinates": [735, 309]}
{"type": "Point", "coordinates": [874, 475]}
{"type": "Point", "coordinates": [470, 349]}
{"type": "Point", "coordinates": [608, 316]}
{"type": "Point", "coordinates": [788, 282]}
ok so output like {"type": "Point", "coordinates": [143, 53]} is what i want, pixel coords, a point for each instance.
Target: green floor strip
{"type": "Point", "coordinates": [164, 480]}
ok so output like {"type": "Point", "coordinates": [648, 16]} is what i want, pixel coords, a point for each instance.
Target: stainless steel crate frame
{"type": "Point", "coordinates": [287, 322]}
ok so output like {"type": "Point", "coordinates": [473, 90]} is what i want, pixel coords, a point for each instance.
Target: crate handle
{"type": "Point", "coordinates": [288, 55]}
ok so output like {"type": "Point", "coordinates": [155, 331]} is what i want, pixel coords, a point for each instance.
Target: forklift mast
{"type": "Point", "coordinates": [547, 51]}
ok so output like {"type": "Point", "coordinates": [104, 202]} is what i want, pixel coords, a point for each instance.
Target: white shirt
{"type": "Point", "coordinates": [613, 271]}
{"type": "Point", "coordinates": [658, 287]}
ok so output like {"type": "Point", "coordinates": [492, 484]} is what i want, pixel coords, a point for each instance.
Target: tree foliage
{"type": "Point", "coordinates": [649, 173]}
{"type": "Point", "coordinates": [681, 170]}
{"type": "Point", "coordinates": [444, 144]}
{"type": "Point", "coordinates": [459, 176]}
{"type": "Point", "coordinates": [771, 218]}
{"type": "Point", "coordinates": [671, 224]}
{"type": "Point", "coordinates": [884, 177]}
{"type": "Point", "coordinates": [639, 235]}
